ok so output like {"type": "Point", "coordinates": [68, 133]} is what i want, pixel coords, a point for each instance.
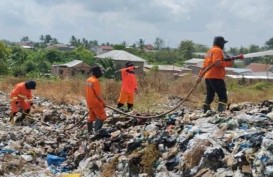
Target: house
{"type": "Point", "coordinates": [199, 54]}
{"type": "Point", "coordinates": [61, 47]}
{"type": "Point", "coordinates": [121, 57]}
{"type": "Point", "coordinates": [70, 69]}
{"type": "Point", "coordinates": [27, 45]}
{"type": "Point", "coordinates": [102, 49]}
{"type": "Point", "coordinates": [238, 71]}
{"type": "Point", "coordinates": [254, 77]}
{"type": "Point", "coordinates": [195, 64]}
{"type": "Point", "coordinates": [149, 47]}
{"type": "Point", "coordinates": [260, 67]}
{"type": "Point", "coordinates": [171, 69]}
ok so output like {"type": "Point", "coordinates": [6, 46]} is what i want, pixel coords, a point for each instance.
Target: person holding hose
{"type": "Point", "coordinates": [214, 77]}
{"type": "Point", "coordinates": [95, 101]}
{"type": "Point", "coordinates": [21, 98]}
{"type": "Point", "coordinates": [128, 87]}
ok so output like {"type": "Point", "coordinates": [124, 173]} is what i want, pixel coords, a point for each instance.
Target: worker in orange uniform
{"type": "Point", "coordinates": [95, 101]}
{"type": "Point", "coordinates": [21, 98]}
{"type": "Point", "coordinates": [214, 77]}
{"type": "Point", "coordinates": [128, 87]}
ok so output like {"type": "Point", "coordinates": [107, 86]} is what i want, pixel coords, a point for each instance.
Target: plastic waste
{"type": "Point", "coordinates": [54, 160]}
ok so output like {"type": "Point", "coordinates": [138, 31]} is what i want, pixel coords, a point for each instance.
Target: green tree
{"type": "Point", "coordinates": [186, 50]}
{"type": "Point", "coordinates": [159, 43]}
{"type": "Point", "coordinates": [164, 57]}
{"type": "Point", "coordinates": [93, 43]}
{"type": "Point", "coordinates": [269, 43]}
{"type": "Point", "coordinates": [4, 53]}
{"type": "Point", "coordinates": [200, 48]}
{"type": "Point", "coordinates": [233, 51]}
{"type": "Point", "coordinates": [29, 66]}
{"type": "Point", "coordinates": [18, 71]}
{"type": "Point", "coordinates": [54, 41]}
{"type": "Point", "coordinates": [119, 47]}
{"type": "Point", "coordinates": [253, 48]}
{"type": "Point", "coordinates": [25, 39]}
{"type": "Point", "coordinates": [42, 38]}
{"type": "Point", "coordinates": [47, 39]}
{"type": "Point", "coordinates": [18, 56]}
{"type": "Point", "coordinates": [73, 41]}
{"type": "Point", "coordinates": [53, 56]}
{"type": "Point", "coordinates": [44, 66]}
{"type": "Point", "coordinates": [80, 53]}
{"type": "Point", "coordinates": [108, 67]}
{"type": "Point", "coordinates": [141, 44]}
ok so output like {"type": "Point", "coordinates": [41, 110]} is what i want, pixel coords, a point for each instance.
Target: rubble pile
{"type": "Point", "coordinates": [53, 141]}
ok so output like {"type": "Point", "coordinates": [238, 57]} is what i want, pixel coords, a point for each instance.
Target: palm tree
{"type": "Point", "coordinates": [108, 67]}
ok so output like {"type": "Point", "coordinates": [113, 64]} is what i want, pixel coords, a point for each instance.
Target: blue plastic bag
{"type": "Point", "coordinates": [54, 160]}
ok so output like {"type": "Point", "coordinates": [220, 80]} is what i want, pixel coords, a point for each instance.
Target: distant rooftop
{"type": "Point", "coordinates": [194, 60]}
{"type": "Point", "coordinates": [120, 55]}
{"type": "Point", "coordinates": [239, 70]}
{"type": "Point", "coordinates": [70, 64]}
{"type": "Point", "coordinates": [249, 77]}
{"type": "Point", "coordinates": [167, 67]}
{"type": "Point", "coordinates": [258, 67]}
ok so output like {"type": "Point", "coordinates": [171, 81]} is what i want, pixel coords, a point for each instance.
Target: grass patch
{"type": "Point", "coordinates": [262, 86]}
{"type": "Point", "coordinates": [149, 157]}
{"type": "Point", "coordinates": [109, 169]}
{"type": "Point", "coordinates": [154, 89]}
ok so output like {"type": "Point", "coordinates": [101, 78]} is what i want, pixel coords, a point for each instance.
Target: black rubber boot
{"type": "Point", "coordinates": [98, 125]}
{"type": "Point", "coordinates": [221, 107]}
{"type": "Point", "coordinates": [206, 107]}
{"type": "Point", "coordinates": [90, 127]}
{"type": "Point", "coordinates": [120, 107]}
{"type": "Point", "coordinates": [130, 107]}
{"type": "Point", "coordinates": [11, 118]}
{"type": "Point", "coordinates": [23, 116]}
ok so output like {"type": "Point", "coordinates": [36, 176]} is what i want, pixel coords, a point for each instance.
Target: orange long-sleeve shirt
{"type": "Point", "coordinates": [216, 72]}
{"type": "Point", "coordinates": [129, 82]}
{"type": "Point", "coordinates": [20, 93]}
{"type": "Point", "coordinates": [93, 92]}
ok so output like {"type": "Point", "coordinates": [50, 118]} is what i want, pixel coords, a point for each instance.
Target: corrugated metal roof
{"type": "Point", "coordinates": [167, 67]}
{"type": "Point", "coordinates": [258, 67]}
{"type": "Point", "coordinates": [253, 75]}
{"type": "Point", "coordinates": [194, 60]}
{"type": "Point", "coordinates": [106, 47]}
{"type": "Point", "coordinates": [200, 53]}
{"type": "Point", "coordinates": [71, 63]}
{"type": "Point", "coordinates": [249, 77]}
{"type": "Point", "coordinates": [120, 55]}
{"type": "Point", "coordinates": [239, 70]}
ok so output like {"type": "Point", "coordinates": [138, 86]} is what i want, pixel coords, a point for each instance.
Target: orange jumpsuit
{"type": "Point", "coordinates": [129, 86]}
{"type": "Point", "coordinates": [94, 100]}
{"type": "Point", "coordinates": [214, 77]}
{"type": "Point", "coordinates": [21, 95]}
{"type": "Point", "coordinates": [216, 72]}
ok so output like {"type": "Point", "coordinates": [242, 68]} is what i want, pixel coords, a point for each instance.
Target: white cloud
{"type": "Point", "coordinates": [244, 22]}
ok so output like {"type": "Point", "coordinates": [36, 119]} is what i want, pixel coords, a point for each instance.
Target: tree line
{"type": "Point", "coordinates": [17, 61]}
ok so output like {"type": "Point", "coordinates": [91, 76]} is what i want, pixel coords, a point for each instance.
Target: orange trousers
{"type": "Point", "coordinates": [125, 97]}
{"type": "Point", "coordinates": [21, 105]}
{"type": "Point", "coordinates": [96, 112]}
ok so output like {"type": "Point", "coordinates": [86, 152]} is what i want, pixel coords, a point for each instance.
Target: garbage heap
{"type": "Point", "coordinates": [54, 141]}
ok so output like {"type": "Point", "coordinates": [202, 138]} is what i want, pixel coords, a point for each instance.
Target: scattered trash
{"type": "Point", "coordinates": [187, 142]}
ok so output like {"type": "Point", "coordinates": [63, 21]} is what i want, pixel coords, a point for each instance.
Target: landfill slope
{"type": "Point", "coordinates": [52, 141]}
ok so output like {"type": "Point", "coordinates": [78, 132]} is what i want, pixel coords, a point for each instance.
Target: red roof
{"type": "Point", "coordinates": [106, 47]}
{"type": "Point", "coordinates": [149, 47]}
{"type": "Point", "coordinates": [259, 67]}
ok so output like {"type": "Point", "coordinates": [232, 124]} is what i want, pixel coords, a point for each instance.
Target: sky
{"type": "Point", "coordinates": [241, 22]}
